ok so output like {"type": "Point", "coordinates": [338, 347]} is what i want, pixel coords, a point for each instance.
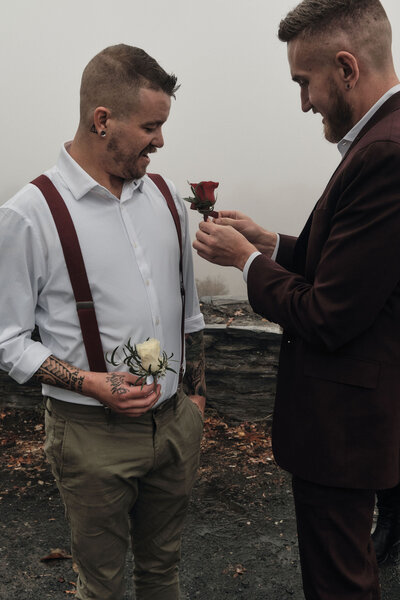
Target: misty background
{"type": "Point", "coordinates": [236, 119]}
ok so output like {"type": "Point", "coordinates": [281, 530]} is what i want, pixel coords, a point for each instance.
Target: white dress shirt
{"type": "Point", "coordinates": [131, 252]}
{"type": "Point", "coordinates": [343, 147]}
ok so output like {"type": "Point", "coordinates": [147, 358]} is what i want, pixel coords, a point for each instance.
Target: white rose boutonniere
{"type": "Point", "coordinates": [149, 353]}
{"type": "Point", "coordinates": [144, 360]}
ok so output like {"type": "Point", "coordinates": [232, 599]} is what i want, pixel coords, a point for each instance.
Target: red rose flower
{"type": "Point", "coordinates": [204, 198]}
{"type": "Point", "coordinates": [205, 191]}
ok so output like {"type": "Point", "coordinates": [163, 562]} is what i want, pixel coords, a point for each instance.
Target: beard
{"type": "Point", "coordinates": [127, 165]}
{"type": "Point", "coordinates": [339, 120]}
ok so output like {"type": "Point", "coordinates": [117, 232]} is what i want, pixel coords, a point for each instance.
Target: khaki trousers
{"type": "Point", "coordinates": [122, 478]}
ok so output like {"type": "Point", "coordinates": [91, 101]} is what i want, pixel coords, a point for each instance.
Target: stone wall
{"type": "Point", "coordinates": [241, 365]}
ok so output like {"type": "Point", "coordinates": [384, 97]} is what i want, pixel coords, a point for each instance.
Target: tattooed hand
{"type": "Point", "coordinates": [115, 390]}
{"type": "Point", "coordinates": [117, 383]}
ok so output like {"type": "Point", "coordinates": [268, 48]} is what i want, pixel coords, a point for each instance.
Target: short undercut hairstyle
{"type": "Point", "coordinates": [114, 77]}
{"type": "Point", "coordinates": [312, 17]}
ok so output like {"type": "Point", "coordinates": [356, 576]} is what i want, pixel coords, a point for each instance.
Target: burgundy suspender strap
{"type": "Point", "coordinates": [77, 273]}
{"type": "Point", "coordinates": [164, 189]}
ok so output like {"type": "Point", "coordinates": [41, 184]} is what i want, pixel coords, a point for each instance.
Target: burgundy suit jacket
{"type": "Point", "coordinates": [335, 290]}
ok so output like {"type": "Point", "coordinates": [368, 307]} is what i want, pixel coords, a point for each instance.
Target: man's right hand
{"type": "Point", "coordinates": [265, 241]}
{"type": "Point", "coordinates": [118, 391]}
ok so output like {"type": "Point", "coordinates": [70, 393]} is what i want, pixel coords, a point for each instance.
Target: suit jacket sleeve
{"type": "Point", "coordinates": [357, 268]}
{"type": "Point", "coordinates": [285, 252]}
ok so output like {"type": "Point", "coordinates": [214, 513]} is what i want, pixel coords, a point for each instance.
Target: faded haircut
{"type": "Point", "coordinates": [114, 76]}
{"type": "Point", "coordinates": [365, 22]}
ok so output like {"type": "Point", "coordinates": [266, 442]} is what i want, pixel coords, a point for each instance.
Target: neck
{"type": "Point", "coordinates": [368, 94]}
{"type": "Point", "coordinates": [84, 149]}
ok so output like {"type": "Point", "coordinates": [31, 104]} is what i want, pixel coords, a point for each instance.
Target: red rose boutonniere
{"type": "Point", "coordinates": [204, 199]}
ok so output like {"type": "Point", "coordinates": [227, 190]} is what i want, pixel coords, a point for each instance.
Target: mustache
{"type": "Point", "coordinates": [149, 150]}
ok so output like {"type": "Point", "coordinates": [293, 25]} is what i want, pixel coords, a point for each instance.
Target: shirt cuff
{"type": "Point", "coordinates": [248, 264]}
{"type": "Point", "coordinates": [275, 252]}
{"type": "Point", "coordinates": [193, 324]}
{"type": "Point", "coordinates": [30, 361]}
{"type": "Point", "coordinates": [255, 254]}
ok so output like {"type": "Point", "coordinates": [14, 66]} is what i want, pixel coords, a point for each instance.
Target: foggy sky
{"type": "Point", "coordinates": [236, 118]}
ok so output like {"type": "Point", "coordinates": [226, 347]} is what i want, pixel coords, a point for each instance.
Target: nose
{"type": "Point", "coordinates": [158, 140]}
{"type": "Point", "coordinates": [305, 100]}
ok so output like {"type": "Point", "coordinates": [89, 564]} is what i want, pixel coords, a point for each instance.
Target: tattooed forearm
{"type": "Point", "coordinates": [194, 381]}
{"type": "Point", "coordinates": [117, 383]}
{"type": "Point", "coordinates": [60, 374]}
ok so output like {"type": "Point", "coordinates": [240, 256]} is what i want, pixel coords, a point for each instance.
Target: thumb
{"type": "Point", "coordinates": [130, 378]}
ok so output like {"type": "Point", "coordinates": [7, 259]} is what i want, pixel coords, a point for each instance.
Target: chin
{"type": "Point", "coordinates": [137, 174]}
{"type": "Point", "coordinates": [330, 136]}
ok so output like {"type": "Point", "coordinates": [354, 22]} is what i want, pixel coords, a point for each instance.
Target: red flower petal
{"type": "Point", "coordinates": [205, 191]}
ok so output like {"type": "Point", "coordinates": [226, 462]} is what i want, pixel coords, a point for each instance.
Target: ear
{"type": "Point", "coordinates": [100, 117]}
{"type": "Point", "coordinates": [348, 68]}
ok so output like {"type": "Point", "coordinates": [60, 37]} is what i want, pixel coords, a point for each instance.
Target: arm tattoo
{"type": "Point", "coordinates": [60, 374]}
{"type": "Point", "coordinates": [117, 383]}
{"type": "Point", "coordinates": [194, 381]}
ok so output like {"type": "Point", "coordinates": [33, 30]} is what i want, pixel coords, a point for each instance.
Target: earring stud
{"type": "Point", "coordinates": [103, 134]}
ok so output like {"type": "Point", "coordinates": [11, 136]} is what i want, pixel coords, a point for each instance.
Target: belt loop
{"type": "Point", "coordinates": [109, 415]}
{"type": "Point", "coordinates": [46, 401]}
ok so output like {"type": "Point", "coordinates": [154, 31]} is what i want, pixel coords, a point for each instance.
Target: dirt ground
{"type": "Point", "coordinates": [240, 538]}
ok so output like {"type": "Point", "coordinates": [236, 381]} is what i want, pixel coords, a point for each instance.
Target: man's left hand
{"type": "Point", "coordinates": [222, 245]}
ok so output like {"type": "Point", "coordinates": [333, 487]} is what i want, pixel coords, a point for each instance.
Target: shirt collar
{"type": "Point", "coordinates": [348, 139]}
{"type": "Point", "coordinates": [80, 183]}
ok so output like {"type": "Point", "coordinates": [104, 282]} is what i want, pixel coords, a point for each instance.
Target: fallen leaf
{"type": "Point", "coordinates": [239, 570]}
{"type": "Point", "coordinates": [56, 554]}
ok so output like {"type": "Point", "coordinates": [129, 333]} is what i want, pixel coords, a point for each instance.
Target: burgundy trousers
{"type": "Point", "coordinates": [334, 531]}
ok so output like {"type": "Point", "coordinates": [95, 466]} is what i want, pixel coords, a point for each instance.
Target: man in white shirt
{"type": "Point", "coordinates": [116, 449]}
{"type": "Point", "coordinates": [335, 290]}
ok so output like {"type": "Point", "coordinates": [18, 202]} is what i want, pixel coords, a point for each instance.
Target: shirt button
{"type": "Point", "coordinates": [157, 321]}
{"type": "Point", "coordinates": [147, 282]}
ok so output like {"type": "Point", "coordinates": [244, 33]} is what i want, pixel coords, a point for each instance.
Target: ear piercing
{"type": "Point", "coordinates": [103, 134]}
{"type": "Point", "coordinates": [348, 86]}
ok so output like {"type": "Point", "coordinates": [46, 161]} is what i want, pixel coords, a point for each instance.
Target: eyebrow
{"type": "Point", "coordinates": [152, 123]}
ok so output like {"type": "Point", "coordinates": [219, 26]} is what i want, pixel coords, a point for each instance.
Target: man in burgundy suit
{"type": "Point", "coordinates": [335, 290]}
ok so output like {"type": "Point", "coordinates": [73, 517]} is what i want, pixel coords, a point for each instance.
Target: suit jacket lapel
{"type": "Point", "coordinates": [300, 252]}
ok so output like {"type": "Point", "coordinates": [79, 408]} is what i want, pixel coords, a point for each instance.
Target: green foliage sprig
{"type": "Point", "coordinates": [133, 361]}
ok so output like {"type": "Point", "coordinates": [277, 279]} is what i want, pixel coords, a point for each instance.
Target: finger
{"type": "Point", "coordinates": [141, 404]}
{"type": "Point", "coordinates": [207, 256]}
{"type": "Point", "coordinates": [203, 238]}
{"type": "Point", "coordinates": [137, 392]}
{"type": "Point", "coordinates": [207, 226]}
{"type": "Point", "coordinates": [202, 249]}
{"type": "Point", "coordinates": [230, 214]}
{"type": "Point", "coordinates": [226, 221]}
